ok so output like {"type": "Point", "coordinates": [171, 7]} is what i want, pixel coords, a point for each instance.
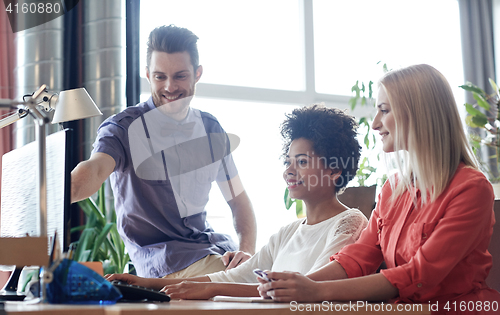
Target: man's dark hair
{"type": "Point", "coordinates": [332, 133]}
{"type": "Point", "coordinates": [173, 39]}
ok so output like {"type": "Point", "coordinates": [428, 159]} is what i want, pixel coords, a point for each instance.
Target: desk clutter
{"type": "Point", "coordinates": [73, 283]}
{"type": "Point", "coordinates": [66, 281]}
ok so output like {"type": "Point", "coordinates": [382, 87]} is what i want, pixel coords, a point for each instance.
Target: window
{"type": "Point", "coordinates": [258, 160]}
{"type": "Point", "coordinates": [265, 53]}
{"type": "Point", "coordinates": [263, 58]}
{"type": "Point", "coordinates": [351, 37]}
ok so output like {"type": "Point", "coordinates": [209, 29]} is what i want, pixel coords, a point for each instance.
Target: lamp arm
{"type": "Point", "coordinates": [9, 104]}
{"type": "Point", "coordinates": [20, 113]}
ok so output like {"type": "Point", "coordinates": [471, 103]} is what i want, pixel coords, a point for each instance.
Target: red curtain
{"type": "Point", "coordinates": [7, 61]}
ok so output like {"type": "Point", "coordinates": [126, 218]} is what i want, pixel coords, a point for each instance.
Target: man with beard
{"type": "Point", "coordinates": [162, 156]}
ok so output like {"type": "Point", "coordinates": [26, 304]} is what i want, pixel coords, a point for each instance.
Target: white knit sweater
{"type": "Point", "coordinates": [300, 247]}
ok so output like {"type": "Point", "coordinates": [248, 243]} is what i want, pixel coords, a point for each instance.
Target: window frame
{"type": "Point", "coordinates": [306, 97]}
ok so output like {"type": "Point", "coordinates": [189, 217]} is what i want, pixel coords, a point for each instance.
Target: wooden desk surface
{"type": "Point", "coordinates": [210, 308]}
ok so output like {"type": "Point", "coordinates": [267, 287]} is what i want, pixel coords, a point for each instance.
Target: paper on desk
{"type": "Point", "coordinates": [223, 298]}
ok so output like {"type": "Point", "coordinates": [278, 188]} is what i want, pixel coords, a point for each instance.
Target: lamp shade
{"type": "Point", "coordinates": [74, 104]}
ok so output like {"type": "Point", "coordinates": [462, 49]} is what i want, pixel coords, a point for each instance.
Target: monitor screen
{"type": "Point", "coordinates": [20, 214]}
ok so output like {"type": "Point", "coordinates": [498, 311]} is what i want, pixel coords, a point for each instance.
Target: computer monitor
{"type": "Point", "coordinates": [20, 213]}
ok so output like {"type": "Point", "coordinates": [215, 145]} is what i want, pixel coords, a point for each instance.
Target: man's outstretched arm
{"type": "Point", "coordinates": [88, 176]}
{"type": "Point", "coordinates": [243, 217]}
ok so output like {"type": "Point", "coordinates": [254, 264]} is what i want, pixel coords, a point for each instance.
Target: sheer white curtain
{"type": "Point", "coordinates": [476, 23]}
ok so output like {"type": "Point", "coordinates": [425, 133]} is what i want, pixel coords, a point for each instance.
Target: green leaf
{"type": "Point", "coordinates": [86, 206]}
{"type": "Point", "coordinates": [298, 208]}
{"type": "Point", "coordinates": [481, 101]}
{"type": "Point", "coordinates": [123, 258]}
{"type": "Point", "coordinates": [85, 255]}
{"type": "Point", "coordinates": [102, 200]}
{"type": "Point", "coordinates": [475, 138]}
{"type": "Point", "coordinates": [366, 124]}
{"type": "Point", "coordinates": [84, 243]}
{"type": "Point", "coordinates": [101, 254]}
{"type": "Point", "coordinates": [370, 89]}
{"type": "Point", "coordinates": [470, 123]}
{"type": "Point", "coordinates": [109, 268]}
{"type": "Point", "coordinates": [494, 87]}
{"type": "Point", "coordinates": [367, 141]}
{"type": "Point", "coordinates": [112, 250]}
{"type": "Point", "coordinates": [474, 111]}
{"type": "Point", "coordinates": [92, 211]}
{"type": "Point", "coordinates": [288, 200]}
{"type": "Point", "coordinates": [117, 241]}
{"type": "Point", "coordinates": [113, 215]}
{"type": "Point", "coordinates": [126, 259]}
{"type": "Point", "coordinates": [355, 88]}
{"type": "Point", "coordinates": [77, 229]}
{"type": "Point", "coordinates": [100, 238]}
{"type": "Point", "coordinates": [371, 169]}
{"type": "Point", "coordinates": [472, 88]}
{"type": "Point", "coordinates": [352, 102]}
{"type": "Point", "coordinates": [479, 121]}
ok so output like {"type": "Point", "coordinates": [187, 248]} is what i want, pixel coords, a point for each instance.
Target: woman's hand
{"type": "Point", "coordinates": [233, 259]}
{"type": "Point", "coordinates": [289, 286]}
{"type": "Point", "coordinates": [128, 278]}
{"type": "Point", "coordinates": [188, 290]}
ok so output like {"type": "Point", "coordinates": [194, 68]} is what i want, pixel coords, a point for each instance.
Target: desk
{"type": "Point", "coordinates": [206, 308]}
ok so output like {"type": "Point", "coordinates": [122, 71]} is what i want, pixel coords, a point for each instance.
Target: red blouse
{"type": "Point", "coordinates": [435, 253]}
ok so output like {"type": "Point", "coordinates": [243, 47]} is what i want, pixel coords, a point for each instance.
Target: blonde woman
{"type": "Point", "coordinates": [433, 220]}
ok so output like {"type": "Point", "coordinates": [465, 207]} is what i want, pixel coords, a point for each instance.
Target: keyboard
{"type": "Point", "coordinates": [11, 296]}
{"type": "Point", "coordinates": [134, 293]}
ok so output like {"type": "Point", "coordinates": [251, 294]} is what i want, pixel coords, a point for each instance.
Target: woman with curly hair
{"type": "Point", "coordinates": [321, 156]}
{"type": "Point", "coordinates": [434, 218]}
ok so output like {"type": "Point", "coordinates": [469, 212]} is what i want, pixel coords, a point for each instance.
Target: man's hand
{"type": "Point", "coordinates": [233, 259]}
{"type": "Point", "coordinates": [188, 290]}
{"type": "Point", "coordinates": [128, 278]}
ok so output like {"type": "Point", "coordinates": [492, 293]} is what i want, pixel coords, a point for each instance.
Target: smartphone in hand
{"type": "Point", "coordinates": [261, 274]}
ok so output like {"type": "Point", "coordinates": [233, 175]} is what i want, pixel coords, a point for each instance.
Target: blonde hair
{"type": "Point", "coordinates": [430, 140]}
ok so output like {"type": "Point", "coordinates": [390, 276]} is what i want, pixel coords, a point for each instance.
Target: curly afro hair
{"type": "Point", "coordinates": [333, 135]}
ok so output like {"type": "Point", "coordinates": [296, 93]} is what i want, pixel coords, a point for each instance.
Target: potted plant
{"type": "Point", "coordinates": [99, 239]}
{"type": "Point", "coordinates": [363, 96]}
{"type": "Point", "coordinates": [362, 196]}
{"type": "Point", "coordinates": [489, 123]}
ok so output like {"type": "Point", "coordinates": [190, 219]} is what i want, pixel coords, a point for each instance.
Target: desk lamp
{"type": "Point", "coordinates": [68, 105]}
